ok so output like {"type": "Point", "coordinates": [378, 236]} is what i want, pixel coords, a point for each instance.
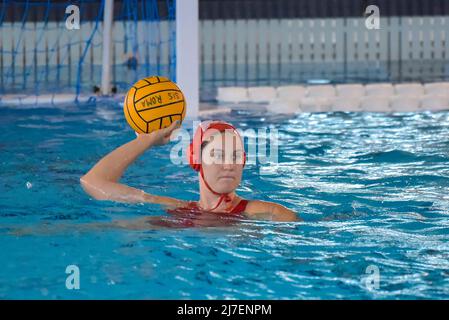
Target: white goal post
{"type": "Point", "coordinates": [187, 53]}
{"type": "Point", "coordinates": [107, 47]}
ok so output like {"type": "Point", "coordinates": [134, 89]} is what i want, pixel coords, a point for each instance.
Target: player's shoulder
{"type": "Point", "coordinates": [255, 206]}
{"type": "Point", "coordinates": [259, 209]}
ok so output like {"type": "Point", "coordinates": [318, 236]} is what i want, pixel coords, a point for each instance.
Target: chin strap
{"type": "Point", "coordinates": [223, 196]}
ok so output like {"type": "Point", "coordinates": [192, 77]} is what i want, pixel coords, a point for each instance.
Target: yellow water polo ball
{"type": "Point", "coordinates": [154, 103]}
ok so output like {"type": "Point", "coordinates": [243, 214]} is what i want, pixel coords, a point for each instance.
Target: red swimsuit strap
{"type": "Point", "coordinates": [240, 207]}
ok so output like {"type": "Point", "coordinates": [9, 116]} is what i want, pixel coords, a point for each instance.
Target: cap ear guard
{"type": "Point", "coordinates": [194, 163]}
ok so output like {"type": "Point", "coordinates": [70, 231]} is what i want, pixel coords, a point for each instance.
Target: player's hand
{"type": "Point", "coordinates": [159, 137]}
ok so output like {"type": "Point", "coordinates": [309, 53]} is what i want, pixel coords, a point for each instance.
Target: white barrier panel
{"type": "Point", "coordinates": [291, 92]}
{"type": "Point", "coordinates": [379, 89]}
{"type": "Point", "coordinates": [347, 104]}
{"type": "Point", "coordinates": [435, 102]}
{"type": "Point", "coordinates": [261, 94]}
{"type": "Point", "coordinates": [376, 104]}
{"type": "Point", "coordinates": [316, 104]}
{"type": "Point", "coordinates": [409, 89]}
{"type": "Point", "coordinates": [405, 103]}
{"type": "Point", "coordinates": [232, 94]}
{"type": "Point", "coordinates": [321, 91]}
{"type": "Point", "coordinates": [376, 97]}
{"type": "Point", "coordinates": [439, 88]}
{"type": "Point", "coordinates": [350, 90]}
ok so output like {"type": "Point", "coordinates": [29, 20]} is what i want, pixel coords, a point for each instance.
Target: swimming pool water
{"type": "Point", "coordinates": [372, 190]}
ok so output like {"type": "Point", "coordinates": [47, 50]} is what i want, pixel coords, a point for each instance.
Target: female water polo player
{"type": "Point", "coordinates": [216, 153]}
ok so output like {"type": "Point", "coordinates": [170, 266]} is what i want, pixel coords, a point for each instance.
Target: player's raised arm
{"type": "Point", "coordinates": [101, 182]}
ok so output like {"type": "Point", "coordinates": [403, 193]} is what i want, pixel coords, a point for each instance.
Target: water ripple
{"type": "Point", "coordinates": [372, 189]}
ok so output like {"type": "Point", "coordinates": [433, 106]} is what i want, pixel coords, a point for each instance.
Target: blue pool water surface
{"type": "Point", "coordinates": [372, 190]}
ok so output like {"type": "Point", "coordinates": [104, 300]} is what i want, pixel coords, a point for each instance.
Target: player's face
{"type": "Point", "coordinates": [222, 161]}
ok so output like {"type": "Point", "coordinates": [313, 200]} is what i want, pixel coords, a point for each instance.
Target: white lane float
{"type": "Point", "coordinates": [373, 97]}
